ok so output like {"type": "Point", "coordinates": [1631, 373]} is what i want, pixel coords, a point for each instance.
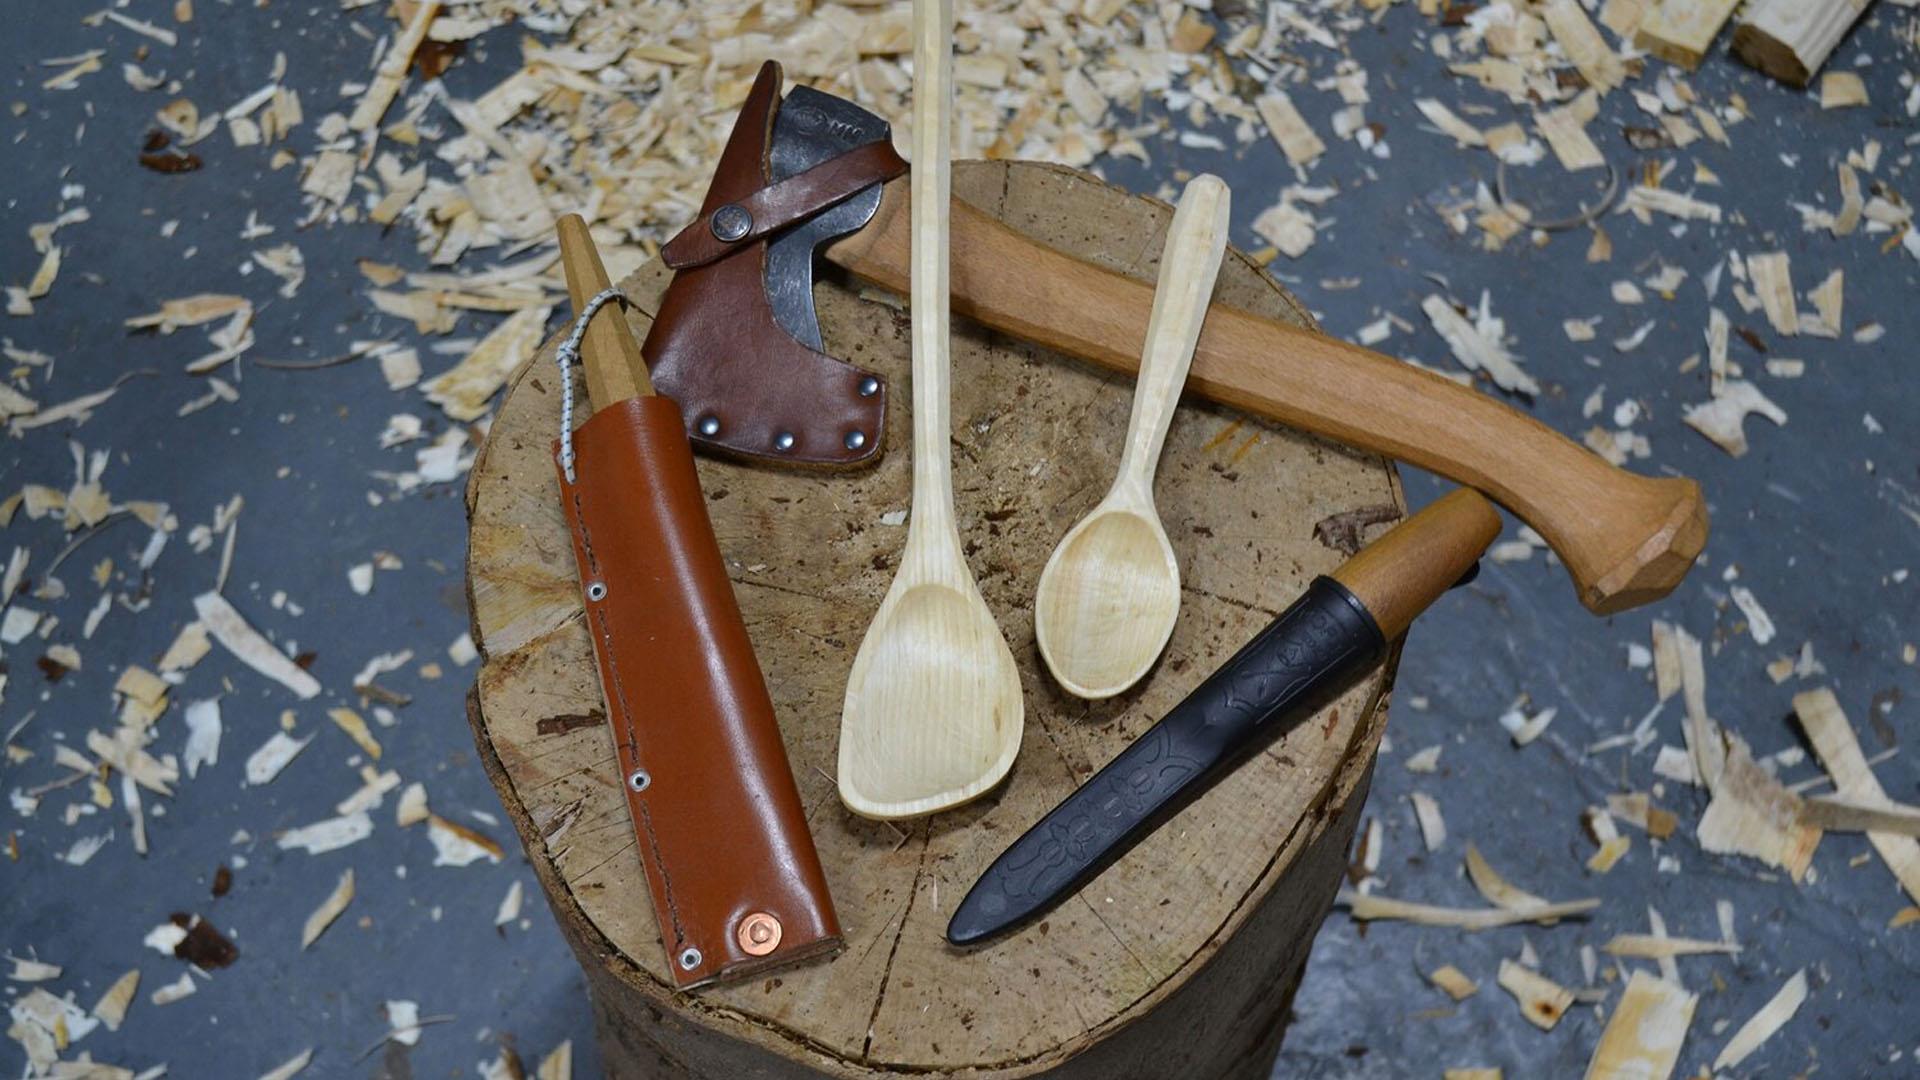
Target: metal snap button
{"type": "Point", "coordinates": [758, 934]}
{"type": "Point", "coordinates": [731, 222]}
{"type": "Point", "coordinates": [708, 425]}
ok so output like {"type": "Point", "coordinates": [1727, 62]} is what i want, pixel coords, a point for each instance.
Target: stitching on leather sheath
{"type": "Point", "coordinates": [626, 714]}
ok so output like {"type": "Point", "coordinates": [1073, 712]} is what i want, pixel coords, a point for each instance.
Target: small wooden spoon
{"type": "Point", "coordinates": [1110, 594]}
{"type": "Point", "coordinates": [933, 715]}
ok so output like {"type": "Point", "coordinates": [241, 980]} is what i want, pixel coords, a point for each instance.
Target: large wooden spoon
{"type": "Point", "coordinates": [1110, 594]}
{"type": "Point", "coordinates": [933, 713]}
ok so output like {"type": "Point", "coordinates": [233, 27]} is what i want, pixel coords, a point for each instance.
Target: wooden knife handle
{"type": "Point", "coordinates": [609, 352]}
{"type": "Point", "coordinates": [1626, 539]}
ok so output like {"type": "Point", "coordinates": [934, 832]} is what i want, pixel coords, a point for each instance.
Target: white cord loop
{"type": "Point", "coordinates": [569, 355]}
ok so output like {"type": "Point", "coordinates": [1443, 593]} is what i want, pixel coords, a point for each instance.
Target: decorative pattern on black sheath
{"type": "Point", "coordinates": [1314, 649]}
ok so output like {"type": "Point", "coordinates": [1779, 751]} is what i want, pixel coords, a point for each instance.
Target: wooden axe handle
{"type": "Point", "coordinates": [1626, 539]}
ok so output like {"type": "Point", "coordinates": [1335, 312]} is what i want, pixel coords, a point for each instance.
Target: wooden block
{"type": "Point", "coordinates": [1791, 39]}
{"type": "Point", "coordinates": [1681, 31]}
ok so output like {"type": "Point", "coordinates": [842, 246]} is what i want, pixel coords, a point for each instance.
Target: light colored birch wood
{"type": "Point", "coordinates": [933, 713]}
{"type": "Point", "coordinates": [1833, 741]}
{"type": "Point", "coordinates": [1110, 593]}
{"type": "Point", "coordinates": [1190, 928]}
{"type": "Point", "coordinates": [1681, 31]}
{"type": "Point", "coordinates": [1791, 39]}
{"type": "Point", "coordinates": [609, 352]}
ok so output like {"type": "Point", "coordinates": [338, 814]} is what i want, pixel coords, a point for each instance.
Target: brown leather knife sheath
{"type": "Point", "coordinates": [736, 882]}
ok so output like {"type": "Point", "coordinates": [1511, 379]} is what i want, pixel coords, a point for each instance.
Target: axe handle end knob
{"type": "Point", "coordinates": [616, 370]}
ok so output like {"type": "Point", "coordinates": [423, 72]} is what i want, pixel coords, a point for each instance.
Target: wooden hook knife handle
{"type": "Point", "coordinates": [1626, 539]}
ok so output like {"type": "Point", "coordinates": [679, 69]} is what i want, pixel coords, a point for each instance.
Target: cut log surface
{"type": "Point", "coordinates": [1181, 959]}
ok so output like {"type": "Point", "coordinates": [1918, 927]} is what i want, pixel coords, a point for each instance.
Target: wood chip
{"type": "Point", "coordinates": [1772, 277]}
{"type": "Point", "coordinates": [1542, 1001]}
{"type": "Point", "coordinates": [1477, 346]}
{"type": "Point", "coordinates": [1645, 1033]}
{"type": "Point", "coordinates": [1839, 813]}
{"type": "Point", "coordinates": [331, 834]}
{"type": "Point", "coordinates": [265, 763]}
{"type": "Point", "coordinates": [393, 69]}
{"type": "Point", "coordinates": [1839, 751]}
{"type": "Point", "coordinates": [1656, 946]}
{"type": "Point", "coordinates": [1761, 1025]}
{"type": "Point", "coordinates": [249, 647]}
{"type": "Point", "coordinates": [329, 910]}
{"type": "Point", "coordinates": [1827, 299]}
{"type": "Point", "coordinates": [1296, 137]}
{"type": "Point", "coordinates": [1433, 828]}
{"type": "Point", "coordinates": [356, 728]}
{"type": "Point", "coordinates": [1842, 90]}
{"type": "Point", "coordinates": [465, 390]}
{"type": "Point", "coordinates": [1565, 130]}
{"type": "Point", "coordinates": [112, 1006]}
{"type": "Point", "coordinates": [1721, 419]}
{"type": "Point", "coordinates": [1454, 982]}
{"type": "Point", "coordinates": [1463, 133]}
{"type": "Point", "coordinates": [1367, 908]}
{"type": "Point", "coordinates": [557, 1065]}
{"type": "Point", "coordinates": [290, 1068]}
{"type": "Point", "coordinates": [457, 845]}
{"type": "Point", "coordinates": [1583, 44]}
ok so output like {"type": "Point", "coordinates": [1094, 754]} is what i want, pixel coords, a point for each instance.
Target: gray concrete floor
{"type": "Point", "coordinates": [1817, 519]}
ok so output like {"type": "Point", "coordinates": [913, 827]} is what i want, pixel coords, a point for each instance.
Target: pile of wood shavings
{"type": "Point", "coordinates": [618, 110]}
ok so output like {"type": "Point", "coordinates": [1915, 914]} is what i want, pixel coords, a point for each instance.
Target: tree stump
{"type": "Point", "coordinates": [1181, 959]}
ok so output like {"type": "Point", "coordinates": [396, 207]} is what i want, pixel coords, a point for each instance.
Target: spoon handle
{"type": "Point", "coordinates": [932, 520]}
{"type": "Point", "coordinates": [1196, 241]}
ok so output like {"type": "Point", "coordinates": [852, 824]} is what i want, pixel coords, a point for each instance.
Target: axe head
{"type": "Point", "coordinates": [810, 128]}
{"type": "Point", "coordinates": [737, 341]}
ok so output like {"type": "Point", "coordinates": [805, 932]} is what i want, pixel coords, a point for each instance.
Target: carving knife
{"type": "Point", "coordinates": [1336, 632]}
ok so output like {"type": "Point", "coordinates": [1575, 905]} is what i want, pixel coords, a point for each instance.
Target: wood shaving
{"type": "Point", "coordinates": [1542, 1001]}
{"type": "Point", "coordinates": [1645, 1034]}
{"type": "Point", "coordinates": [1368, 908]}
{"type": "Point", "coordinates": [1477, 345]}
{"type": "Point", "coordinates": [1842, 90]}
{"type": "Point", "coordinates": [112, 1006]}
{"type": "Point", "coordinates": [1834, 742]}
{"type": "Point", "coordinates": [356, 728]}
{"type": "Point", "coordinates": [1296, 138]}
{"type": "Point", "coordinates": [1772, 277]}
{"type": "Point", "coordinates": [290, 1068]}
{"type": "Point", "coordinates": [331, 834]}
{"type": "Point", "coordinates": [265, 763]}
{"type": "Point", "coordinates": [248, 646]}
{"type": "Point", "coordinates": [457, 845]}
{"type": "Point", "coordinates": [1762, 1025]}
{"type": "Point", "coordinates": [1454, 982]}
{"type": "Point", "coordinates": [1837, 813]}
{"type": "Point", "coordinates": [329, 910]}
{"type": "Point", "coordinates": [1721, 420]}
{"type": "Point", "coordinates": [1433, 828]}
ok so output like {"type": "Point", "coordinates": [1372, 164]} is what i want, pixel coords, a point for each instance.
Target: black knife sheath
{"type": "Point", "coordinates": [1302, 660]}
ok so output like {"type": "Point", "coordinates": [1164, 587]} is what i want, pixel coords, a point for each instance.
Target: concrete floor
{"type": "Point", "coordinates": [1816, 519]}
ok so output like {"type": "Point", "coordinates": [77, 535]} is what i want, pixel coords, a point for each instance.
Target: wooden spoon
{"type": "Point", "coordinates": [1110, 594]}
{"type": "Point", "coordinates": [933, 713]}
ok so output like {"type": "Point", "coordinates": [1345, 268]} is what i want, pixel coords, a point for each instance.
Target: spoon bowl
{"type": "Point", "coordinates": [933, 713]}
{"type": "Point", "coordinates": [1107, 602]}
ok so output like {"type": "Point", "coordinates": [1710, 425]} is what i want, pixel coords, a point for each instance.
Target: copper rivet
{"type": "Point", "coordinates": [759, 934]}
